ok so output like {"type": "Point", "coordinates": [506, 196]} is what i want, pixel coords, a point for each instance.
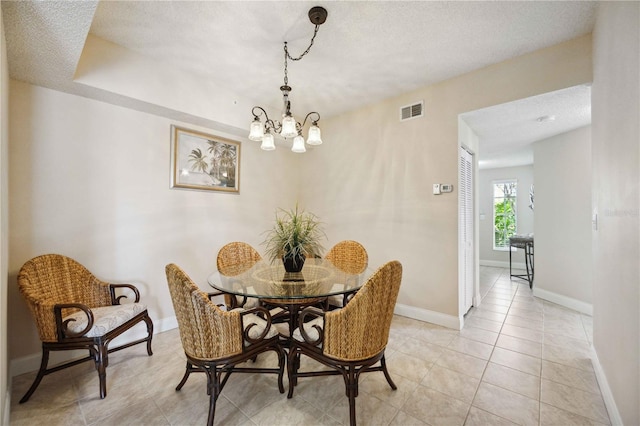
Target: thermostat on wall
{"type": "Point", "coordinates": [439, 188]}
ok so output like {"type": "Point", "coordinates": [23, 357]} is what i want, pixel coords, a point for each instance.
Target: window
{"type": "Point", "coordinates": [504, 213]}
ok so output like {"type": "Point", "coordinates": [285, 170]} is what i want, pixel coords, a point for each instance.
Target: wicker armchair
{"type": "Point", "coordinates": [351, 257]}
{"type": "Point", "coordinates": [73, 309]}
{"type": "Point", "coordinates": [233, 259]}
{"type": "Point", "coordinates": [216, 341]}
{"type": "Point", "coordinates": [350, 340]}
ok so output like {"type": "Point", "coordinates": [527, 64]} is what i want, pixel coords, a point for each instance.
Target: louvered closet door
{"type": "Point", "coordinates": [465, 231]}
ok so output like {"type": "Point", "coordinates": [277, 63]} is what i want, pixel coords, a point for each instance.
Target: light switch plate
{"type": "Point", "coordinates": [436, 189]}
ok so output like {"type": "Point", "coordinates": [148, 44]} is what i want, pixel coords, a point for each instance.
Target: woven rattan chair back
{"type": "Point", "coordinates": [55, 286]}
{"type": "Point", "coordinates": [52, 278]}
{"type": "Point", "coordinates": [349, 256]}
{"type": "Point", "coordinates": [235, 258]}
{"type": "Point", "coordinates": [206, 331]}
{"type": "Point", "coordinates": [360, 330]}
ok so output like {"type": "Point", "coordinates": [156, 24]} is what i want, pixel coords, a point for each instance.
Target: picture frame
{"type": "Point", "coordinates": [203, 161]}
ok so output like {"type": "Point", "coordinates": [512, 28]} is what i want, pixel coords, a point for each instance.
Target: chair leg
{"type": "Point", "coordinates": [213, 389]}
{"type": "Point", "coordinates": [187, 372]}
{"type": "Point", "coordinates": [41, 374]}
{"type": "Point", "coordinates": [101, 358]}
{"type": "Point", "coordinates": [383, 363]}
{"type": "Point", "coordinates": [149, 323]}
{"type": "Point", "coordinates": [212, 409]}
{"type": "Point", "coordinates": [281, 364]}
{"type": "Point", "coordinates": [227, 374]}
{"type": "Point", "coordinates": [292, 369]}
{"type": "Point", "coordinates": [352, 392]}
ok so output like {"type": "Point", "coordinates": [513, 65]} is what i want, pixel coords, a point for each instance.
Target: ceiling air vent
{"type": "Point", "coordinates": [412, 111]}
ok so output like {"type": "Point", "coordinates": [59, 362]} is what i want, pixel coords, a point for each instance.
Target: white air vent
{"type": "Point", "coordinates": [412, 111]}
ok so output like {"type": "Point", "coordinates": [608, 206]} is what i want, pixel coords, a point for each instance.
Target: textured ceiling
{"type": "Point", "coordinates": [507, 131]}
{"type": "Point", "coordinates": [365, 52]}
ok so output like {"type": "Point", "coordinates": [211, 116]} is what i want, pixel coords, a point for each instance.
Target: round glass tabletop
{"type": "Point", "coordinates": [318, 278]}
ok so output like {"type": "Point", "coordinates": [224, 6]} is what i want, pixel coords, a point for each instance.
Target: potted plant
{"type": "Point", "coordinates": [295, 236]}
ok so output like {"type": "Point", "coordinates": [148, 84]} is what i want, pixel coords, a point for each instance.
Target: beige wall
{"type": "Point", "coordinates": [524, 176]}
{"type": "Point", "coordinates": [616, 180]}
{"type": "Point", "coordinates": [4, 221]}
{"type": "Point", "coordinates": [372, 179]}
{"type": "Point", "coordinates": [562, 174]}
{"type": "Point", "coordinates": [91, 180]}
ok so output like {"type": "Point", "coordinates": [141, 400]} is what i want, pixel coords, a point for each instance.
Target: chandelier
{"type": "Point", "coordinates": [289, 127]}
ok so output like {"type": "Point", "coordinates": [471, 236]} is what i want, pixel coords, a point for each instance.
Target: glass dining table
{"type": "Point", "coordinates": [292, 291]}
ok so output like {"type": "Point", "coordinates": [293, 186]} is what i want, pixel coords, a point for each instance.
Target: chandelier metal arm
{"type": "Point", "coordinates": [314, 122]}
{"type": "Point", "coordinates": [257, 116]}
{"type": "Point", "coordinates": [269, 123]}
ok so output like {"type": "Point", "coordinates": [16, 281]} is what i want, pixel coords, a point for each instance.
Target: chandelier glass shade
{"type": "Point", "coordinates": [268, 143]}
{"type": "Point", "coordinates": [288, 127]}
{"type": "Point", "coordinates": [262, 131]}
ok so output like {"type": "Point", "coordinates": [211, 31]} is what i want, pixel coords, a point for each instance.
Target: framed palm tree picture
{"type": "Point", "coordinates": [201, 161]}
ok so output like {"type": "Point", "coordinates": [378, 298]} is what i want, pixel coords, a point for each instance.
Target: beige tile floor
{"type": "Point", "coordinates": [518, 360]}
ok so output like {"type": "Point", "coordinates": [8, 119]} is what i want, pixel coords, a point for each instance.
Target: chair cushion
{"type": "Point", "coordinates": [105, 318]}
{"type": "Point", "coordinates": [260, 325]}
{"type": "Point", "coordinates": [283, 328]}
{"type": "Point", "coordinates": [251, 302]}
{"type": "Point", "coordinates": [337, 300]}
{"type": "Point", "coordinates": [312, 332]}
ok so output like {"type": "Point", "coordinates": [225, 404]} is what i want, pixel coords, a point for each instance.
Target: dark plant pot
{"type": "Point", "coordinates": [293, 263]}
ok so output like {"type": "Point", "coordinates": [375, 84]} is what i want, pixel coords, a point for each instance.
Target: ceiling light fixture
{"type": "Point", "coordinates": [289, 127]}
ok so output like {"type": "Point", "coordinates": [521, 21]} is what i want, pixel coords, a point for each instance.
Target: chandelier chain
{"type": "Point", "coordinates": [288, 56]}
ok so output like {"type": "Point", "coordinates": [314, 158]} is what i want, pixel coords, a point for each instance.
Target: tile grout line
{"type": "Point", "coordinates": [488, 360]}
{"type": "Point", "coordinates": [492, 351]}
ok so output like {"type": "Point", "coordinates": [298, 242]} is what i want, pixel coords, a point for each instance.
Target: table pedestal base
{"type": "Point", "coordinates": [293, 308]}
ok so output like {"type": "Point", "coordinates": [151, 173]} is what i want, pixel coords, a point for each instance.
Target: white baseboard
{"type": "Point", "coordinates": [31, 362]}
{"type": "Point", "coordinates": [6, 413]}
{"type": "Point", "coordinates": [165, 324]}
{"type": "Point", "coordinates": [607, 395]}
{"type": "Point", "coordinates": [500, 264]}
{"type": "Point", "coordinates": [426, 315]}
{"type": "Point", "coordinates": [567, 302]}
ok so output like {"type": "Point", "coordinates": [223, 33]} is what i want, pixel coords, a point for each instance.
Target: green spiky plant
{"type": "Point", "coordinates": [296, 233]}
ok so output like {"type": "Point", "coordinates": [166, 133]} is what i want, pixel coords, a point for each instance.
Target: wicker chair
{"type": "Point", "coordinates": [350, 340]}
{"type": "Point", "coordinates": [233, 259]}
{"type": "Point", "coordinates": [72, 309]}
{"type": "Point", "coordinates": [351, 257]}
{"type": "Point", "coordinates": [216, 341]}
